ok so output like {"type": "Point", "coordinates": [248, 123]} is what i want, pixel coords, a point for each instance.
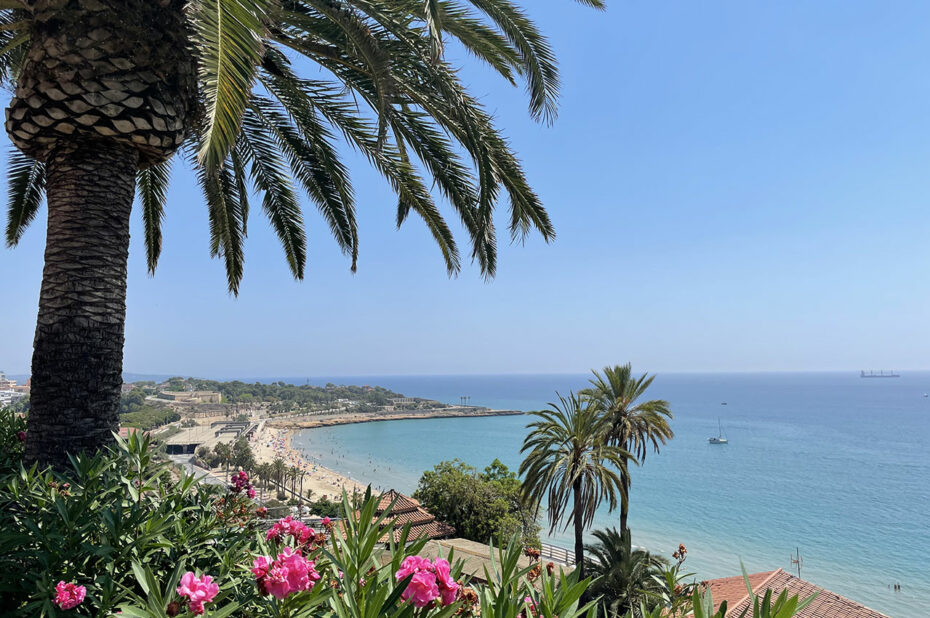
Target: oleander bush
{"type": "Point", "coordinates": [118, 534]}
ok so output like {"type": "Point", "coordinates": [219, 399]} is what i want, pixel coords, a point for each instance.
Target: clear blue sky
{"type": "Point", "coordinates": [735, 186]}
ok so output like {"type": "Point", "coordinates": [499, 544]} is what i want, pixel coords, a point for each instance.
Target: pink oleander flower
{"type": "Point", "coordinates": [423, 588]}
{"type": "Point", "coordinates": [251, 492]}
{"type": "Point", "coordinates": [260, 566]}
{"type": "Point", "coordinates": [533, 611]}
{"type": "Point", "coordinates": [290, 572]}
{"type": "Point", "coordinates": [198, 590]}
{"type": "Point", "coordinates": [276, 582]}
{"type": "Point", "coordinates": [21, 435]}
{"type": "Point", "coordinates": [448, 587]}
{"type": "Point", "coordinates": [326, 521]}
{"type": "Point", "coordinates": [69, 595]}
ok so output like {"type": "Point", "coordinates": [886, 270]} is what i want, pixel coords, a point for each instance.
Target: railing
{"type": "Point", "coordinates": [557, 554]}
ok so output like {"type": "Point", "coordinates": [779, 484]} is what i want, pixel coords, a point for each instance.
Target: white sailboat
{"type": "Point", "coordinates": [721, 437]}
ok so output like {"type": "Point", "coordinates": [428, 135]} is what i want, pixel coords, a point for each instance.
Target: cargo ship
{"type": "Point", "coordinates": [879, 374]}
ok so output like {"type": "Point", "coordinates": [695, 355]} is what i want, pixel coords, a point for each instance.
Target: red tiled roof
{"type": "Point", "coordinates": [431, 530]}
{"type": "Point", "coordinates": [405, 511]}
{"type": "Point", "coordinates": [826, 605]}
{"type": "Point", "coordinates": [733, 589]}
{"type": "Point", "coordinates": [402, 503]}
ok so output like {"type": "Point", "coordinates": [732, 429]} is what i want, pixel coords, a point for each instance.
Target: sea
{"type": "Point", "coordinates": [829, 466]}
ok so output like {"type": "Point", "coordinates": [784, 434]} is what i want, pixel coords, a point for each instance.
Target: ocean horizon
{"type": "Point", "coordinates": [829, 464]}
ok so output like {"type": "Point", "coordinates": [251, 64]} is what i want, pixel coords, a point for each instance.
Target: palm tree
{"type": "Point", "coordinates": [279, 469]}
{"type": "Point", "coordinates": [570, 466]}
{"type": "Point", "coordinates": [634, 425]}
{"type": "Point", "coordinates": [625, 579]}
{"type": "Point", "coordinates": [106, 91]}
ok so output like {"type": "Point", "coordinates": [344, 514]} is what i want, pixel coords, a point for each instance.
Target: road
{"type": "Point", "coordinates": [199, 473]}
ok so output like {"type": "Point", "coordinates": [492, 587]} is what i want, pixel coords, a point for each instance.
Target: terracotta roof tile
{"type": "Point", "coordinates": [402, 504]}
{"type": "Point", "coordinates": [827, 604]}
{"type": "Point", "coordinates": [408, 511]}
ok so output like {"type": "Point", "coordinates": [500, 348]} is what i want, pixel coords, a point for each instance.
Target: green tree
{"type": "Point", "coordinates": [224, 453]}
{"type": "Point", "coordinates": [106, 91]}
{"type": "Point", "coordinates": [481, 506]}
{"type": "Point", "coordinates": [241, 455]}
{"type": "Point", "coordinates": [625, 579]}
{"type": "Point", "coordinates": [634, 425]}
{"type": "Point", "coordinates": [569, 467]}
{"type": "Point", "coordinates": [278, 470]}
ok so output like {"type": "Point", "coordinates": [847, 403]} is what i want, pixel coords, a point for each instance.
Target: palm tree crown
{"type": "Point", "coordinates": [632, 424]}
{"type": "Point", "coordinates": [384, 87]}
{"type": "Point", "coordinates": [626, 578]}
{"type": "Point", "coordinates": [570, 467]}
{"type": "Point", "coordinates": [106, 91]}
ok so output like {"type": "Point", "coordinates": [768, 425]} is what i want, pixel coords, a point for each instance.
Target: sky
{"type": "Point", "coordinates": [735, 187]}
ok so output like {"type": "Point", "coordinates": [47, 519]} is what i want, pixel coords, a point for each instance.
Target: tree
{"type": "Point", "coordinates": [241, 455]}
{"type": "Point", "coordinates": [107, 91]}
{"type": "Point", "coordinates": [625, 579]}
{"type": "Point", "coordinates": [278, 470]}
{"type": "Point", "coordinates": [224, 453]}
{"type": "Point", "coordinates": [481, 506]}
{"type": "Point", "coordinates": [634, 425]}
{"type": "Point", "coordinates": [570, 467]}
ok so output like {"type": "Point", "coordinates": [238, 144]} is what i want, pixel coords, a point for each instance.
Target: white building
{"type": "Point", "coordinates": [5, 383]}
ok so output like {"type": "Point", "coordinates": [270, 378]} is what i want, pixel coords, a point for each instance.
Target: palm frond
{"type": "Point", "coordinates": [270, 175]}
{"type": "Point", "coordinates": [152, 187]}
{"type": "Point", "coordinates": [26, 178]}
{"type": "Point", "coordinates": [230, 38]}
{"type": "Point", "coordinates": [224, 208]}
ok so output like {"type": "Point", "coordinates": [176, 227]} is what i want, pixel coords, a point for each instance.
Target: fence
{"type": "Point", "coordinates": [557, 554]}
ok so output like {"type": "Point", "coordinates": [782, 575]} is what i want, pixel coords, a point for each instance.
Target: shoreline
{"type": "Point", "coordinates": [274, 440]}
{"type": "Point", "coordinates": [374, 417]}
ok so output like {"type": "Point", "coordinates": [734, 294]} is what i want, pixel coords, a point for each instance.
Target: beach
{"type": "Point", "coordinates": [273, 442]}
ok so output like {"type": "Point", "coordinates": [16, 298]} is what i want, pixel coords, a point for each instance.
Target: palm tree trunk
{"type": "Point", "coordinates": [579, 529]}
{"type": "Point", "coordinates": [77, 362]}
{"type": "Point", "coordinates": [624, 502]}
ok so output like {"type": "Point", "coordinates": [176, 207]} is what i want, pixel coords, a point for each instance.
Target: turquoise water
{"type": "Point", "coordinates": [833, 464]}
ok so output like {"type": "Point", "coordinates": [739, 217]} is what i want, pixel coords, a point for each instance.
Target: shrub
{"type": "Point", "coordinates": [115, 533]}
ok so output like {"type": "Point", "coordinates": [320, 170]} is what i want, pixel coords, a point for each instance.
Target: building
{"type": "Point", "coordinates": [827, 604]}
{"type": "Point", "coordinates": [192, 396]}
{"type": "Point", "coordinates": [6, 384]}
{"type": "Point", "coordinates": [405, 511]}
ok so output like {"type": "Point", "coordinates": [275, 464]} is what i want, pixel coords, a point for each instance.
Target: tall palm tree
{"type": "Point", "coordinates": [106, 91]}
{"type": "Point", "coordinates": [634, 425]}
{"type": "Point", "coordinates": [279, 469]}
{"type": "Point", "coordinates": [626, 579]}
{"type": "Point", "coordinates": [570, 467]}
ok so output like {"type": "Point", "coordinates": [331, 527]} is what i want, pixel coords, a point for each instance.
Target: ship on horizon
{"type": "Point", "coordinates": [879, 374]}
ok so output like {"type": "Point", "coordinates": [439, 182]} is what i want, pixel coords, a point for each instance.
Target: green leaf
{"type": "Point", "coordinates": [25, 191]}
{"type": "Point", "coordinates": [152, 187]}
{"type": "Point", "coordinates": [230, 34]}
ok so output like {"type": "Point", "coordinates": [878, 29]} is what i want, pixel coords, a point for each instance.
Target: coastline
{"type": "Point", "coordinates": [374, 417]}
{"type": "Point", "coordinates": [274, 440]}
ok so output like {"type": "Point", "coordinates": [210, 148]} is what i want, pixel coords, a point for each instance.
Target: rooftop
{"type": "Point", "coordinates": [827, 604]}
{"type": "Point", "coordinates": [408, 511]}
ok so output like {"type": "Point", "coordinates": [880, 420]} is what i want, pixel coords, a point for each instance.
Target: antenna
{"type": "Point", "coordinates": [798, 560]}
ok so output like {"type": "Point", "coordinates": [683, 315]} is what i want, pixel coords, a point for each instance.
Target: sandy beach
{"type": "Point", "coordinates": [272, 442]}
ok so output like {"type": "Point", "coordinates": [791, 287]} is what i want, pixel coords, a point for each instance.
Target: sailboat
{"type": "Point", "coordinates": [721, 437]}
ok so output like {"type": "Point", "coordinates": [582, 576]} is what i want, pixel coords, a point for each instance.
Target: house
{"type": "Point", "coordinates": [407, 510]}
{"type": "Point", "coordinates": [827, 604]}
